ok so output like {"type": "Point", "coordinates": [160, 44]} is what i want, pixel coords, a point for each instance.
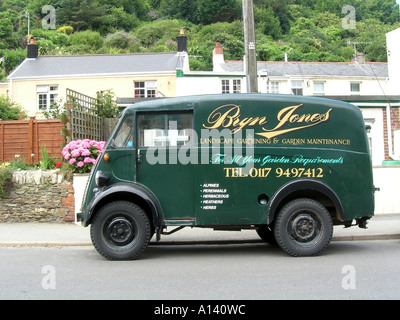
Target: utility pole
{"type": "Point", "coordinates": [250, 46]}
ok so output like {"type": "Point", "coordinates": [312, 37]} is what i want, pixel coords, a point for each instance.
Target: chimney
{"type": "Point", "coordinates": [182, 42]}
{"type": "Point", "coordinates": [218, 49]}
{"type": "Point", "coordinates": [33, 49]}
{"type": "Point", "coordinates": [359, 58]}
{"type": "Point", "coordinates": [218, 57]}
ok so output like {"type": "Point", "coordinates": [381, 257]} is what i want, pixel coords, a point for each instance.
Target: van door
{"type": "Point", "coordinates": [121, 152]}
{"type": "Point", "coordinates": [164, 140]}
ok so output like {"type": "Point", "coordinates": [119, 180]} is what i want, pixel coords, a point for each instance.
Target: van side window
{"type": "Point", "coordinates": [124, 136]}
{"type": "Point", "coordinates": [165, 129]}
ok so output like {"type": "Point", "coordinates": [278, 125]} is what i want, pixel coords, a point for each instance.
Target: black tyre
{"type": "Point", "coordinates": [266, 234]}
{"type": "Point", "coordinates": [120, 231]}
{"type": "Point", "coordinates": [303, 228]}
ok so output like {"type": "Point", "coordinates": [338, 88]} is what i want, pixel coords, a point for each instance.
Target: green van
{"type": "Point", "coordinates": [289, 167]}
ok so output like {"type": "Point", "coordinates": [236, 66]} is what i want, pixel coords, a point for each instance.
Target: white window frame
{"type": "Point", "coordinates": [273, 87]}
{"type": "Point", "coordinates": [226, 86]}
{"type": "Point", "coordinates": [297, 85]}
{"type": "Point", "coordinates": [148, 88]}
{"type": "Point", "coordinates": [355, 93]}
{"type": "Point", "coordinates": [319, 92]}
{"type": "Point", "coordinates": [46, 95]}
{"type": "Point", "coordinates": [236, 86]}
{"type": "Point", "coordinates": [370, 122]}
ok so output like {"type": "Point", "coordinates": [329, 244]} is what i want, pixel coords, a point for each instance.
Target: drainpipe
{"type": "Point", "coordinates": [389, 129]}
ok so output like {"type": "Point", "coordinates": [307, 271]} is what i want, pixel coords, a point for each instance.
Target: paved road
{"type": "Point", "coordinates": [347, 270]}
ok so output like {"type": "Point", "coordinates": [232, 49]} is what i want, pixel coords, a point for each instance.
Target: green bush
{"type": "Point", "coordinates": [5, 180]}
{"type": "Point", "coordinates": [87, 38]}
{"type": "Point", "coordinates": [12, 58]}
{"type": "Point", "coordinates": [106, 104]}
{"type": "Point", "coordinates": [120, 39]}
{"type": "Point", "coordinates": [8, 110]}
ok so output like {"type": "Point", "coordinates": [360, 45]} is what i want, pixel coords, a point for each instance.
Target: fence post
{"type": "Point", "coordinates": [68, 125]}
{"type": "Point", "coordinates": [1, 142]}
{"type": "Point", "coordinates": [30, 138]}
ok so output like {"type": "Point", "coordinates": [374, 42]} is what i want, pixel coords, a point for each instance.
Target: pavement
{"type": "Point", "coordinates": [380, 227]}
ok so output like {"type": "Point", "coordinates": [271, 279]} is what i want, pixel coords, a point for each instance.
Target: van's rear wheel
{"type": "Point", "coordinates": [303, 228]}
{"type": "Point", "coordinates": [120, 231]}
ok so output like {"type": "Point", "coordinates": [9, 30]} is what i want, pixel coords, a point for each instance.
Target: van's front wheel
{"type": "Point", "coordinates": [303, 228]}
{"type": "Point", "coordinates": [120, 231]}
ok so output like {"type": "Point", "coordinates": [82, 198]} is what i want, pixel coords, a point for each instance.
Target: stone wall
{"type": "Point", "coordinates": [38, 196]}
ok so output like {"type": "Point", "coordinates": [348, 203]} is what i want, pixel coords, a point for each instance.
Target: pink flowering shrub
{"type": "Point", "coordinates": [82, 154]}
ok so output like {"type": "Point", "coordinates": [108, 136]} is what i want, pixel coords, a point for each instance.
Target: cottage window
{"type": "Point", "coordinates": [47, 97]}
{"type": "Point", "coordinates": [273, 87]}
{"type": "Point", "coordinates": [226, 86]}
{"type": "Point", "coordinates": [297, 88]}
{"type": "Point", "coordinates": [145, 89]}
{"type": "Point", "coordinates": [355, 88]}
{"type": "Point", "coordinates": [319, 88]}
{"type": "Point", "coordinates": [236, 86]}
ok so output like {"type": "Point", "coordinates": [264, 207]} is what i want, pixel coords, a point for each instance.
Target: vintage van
{"type": "Point", "coordinates": [289, 167]}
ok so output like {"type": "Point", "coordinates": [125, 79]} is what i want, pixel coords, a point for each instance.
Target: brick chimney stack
{"type": "Point", "coordinates": [218, 57]}
{"type": "Point", "coordinates": [33, 49]}
{"type": "Point", "coordinates": [218, 49]}
{"type": "Point", "coordinates": [182, 42]}
{"type": "Point", "coordinates": [358, 57]}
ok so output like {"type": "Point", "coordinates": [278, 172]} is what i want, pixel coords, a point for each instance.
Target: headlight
{"type": "Point", "coordinates": [102, 178]}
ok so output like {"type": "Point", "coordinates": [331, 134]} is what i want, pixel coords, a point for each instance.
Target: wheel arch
{"type": "Point", "coordinates": [306, 188]}
{"type": "Point", "coordinates": [128, 192]}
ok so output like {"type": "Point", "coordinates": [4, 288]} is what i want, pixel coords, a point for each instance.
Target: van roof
{"type": "Point", "coordinates": [191, 102]}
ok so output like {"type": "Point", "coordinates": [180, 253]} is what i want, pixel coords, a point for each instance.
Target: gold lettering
{"type": "Point", "coordinates": [217, 119]}
{"type": "Point", "coordinates": [228, 116]}
{"type": "Point", "coordinates": [231, 118]}
{"type": "Point", "coordinates": [286, 115]}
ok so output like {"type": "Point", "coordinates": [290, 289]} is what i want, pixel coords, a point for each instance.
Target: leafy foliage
{"type": "Point", "coordinates": [106, 104]}
{"type": "Point", "coordinates": [5, 179]}
{"type": "Point", "coordinates": [8, 110]}
{"type": "Point", "coordinates": [307, 30]}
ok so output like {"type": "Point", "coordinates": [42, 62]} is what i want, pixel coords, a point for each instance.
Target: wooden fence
{"type": "Point", "coordinates": [25, 138]}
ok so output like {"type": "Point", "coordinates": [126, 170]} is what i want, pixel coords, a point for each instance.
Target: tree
{"type": "Point", "coordinates": [8, 110]}
{"type": "Point", "coordinates": [80, 14]}
{"type": "Point", "coordinates": [12, 58]}
{"type": "Point", "coordinates": [211, 11]}
{"type": "Point", "coordinates": [117, 19]}
{"type": "Point", "coordinates": [267, 22]}
{"type": "Point", "coordinates": [138, 8]}
{"type": "Point", "coordinates": [7, 22]}
{"type": "Point", "coordinates": [5, 31]}
{"type": "Point", "coordinates": [178, 9]}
